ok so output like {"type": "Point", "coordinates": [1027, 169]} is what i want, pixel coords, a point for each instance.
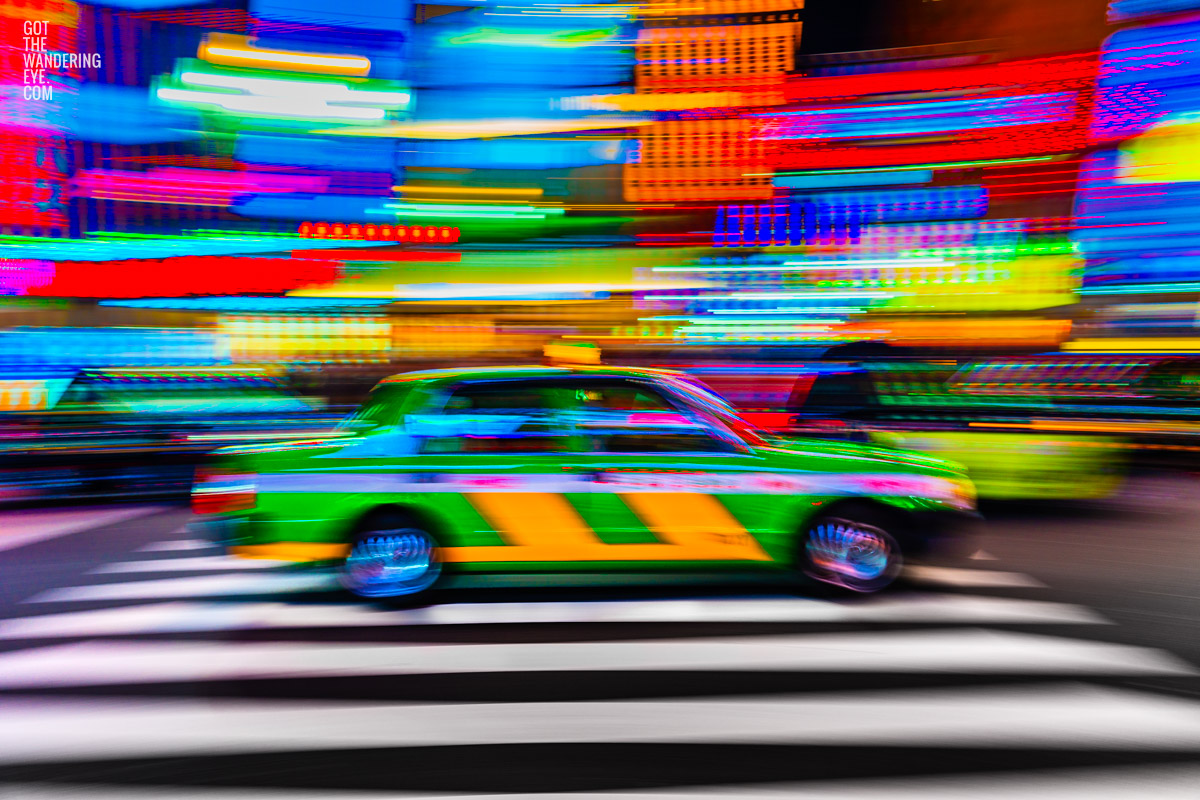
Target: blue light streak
{"type": "Point", "coordinates": [839, 180]}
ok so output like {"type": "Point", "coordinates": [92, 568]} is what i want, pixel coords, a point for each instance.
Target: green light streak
{"type": "Point", "coordinates": [468, 211]}
{"type": "Point", "coordinates": [1006, 252]}
{"type": "Point", "coordinates": [568, 38]}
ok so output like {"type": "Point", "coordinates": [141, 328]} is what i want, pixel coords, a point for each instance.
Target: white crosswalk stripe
{"type": "Point", "coordinates": [1163, 782]}
{"type": "Point", "coordinates": [221, 585]}
{"type": "Point", "coordinates": [177, 544]}
{"type": "Point", "coordinates": [952, 576]}
{"type": "Point", "coordinates": [180, 616]}
{"type": "Point", "coordinates": [196, 586]}
{"type": "Point", "coordinates": [192, 564]}
{"type": "Point", "coordinates": [963, 651]}
{"type": "Point", "coordinates": [1052, 716]}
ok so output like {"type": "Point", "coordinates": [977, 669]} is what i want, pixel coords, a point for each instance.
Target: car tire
{"type": "Point", "coordinates": [392, 559]}
{"type": "Point", "coordinates": [855, 549]}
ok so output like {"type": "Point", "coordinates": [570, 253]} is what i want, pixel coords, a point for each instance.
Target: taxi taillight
{"type": "Point", "coordinates": [222, 492]}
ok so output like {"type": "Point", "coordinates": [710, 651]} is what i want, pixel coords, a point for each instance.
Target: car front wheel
{"type": "Point", "coordinates": [851, 550]}
{"type": "Point", "coordinates": [389, 558]}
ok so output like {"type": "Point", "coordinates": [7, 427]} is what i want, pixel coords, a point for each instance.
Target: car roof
{"type": "Point", "coordinates": [531, 371]}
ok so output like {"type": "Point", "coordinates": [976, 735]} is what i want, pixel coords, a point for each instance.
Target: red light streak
{"type": "Point", "coordinates": [380, 254]}
{"type": "Point", "coordinates": [432, 234]}
{"type": "Point", "coordinates": [1012, 77]}
{"type": "Point", "coordinates": [186, 275]}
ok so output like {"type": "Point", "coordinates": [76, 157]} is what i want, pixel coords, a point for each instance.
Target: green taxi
{"type": "Point", "coordinates": [573, 469]}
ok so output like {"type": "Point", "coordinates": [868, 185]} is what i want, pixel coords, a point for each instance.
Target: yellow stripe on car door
{"type": "Point", "coordinates": [697, 525]}
{"type": "Point", "coordinates": [546, 527]}
{"type": "Point", "coordinates": [538, 526]}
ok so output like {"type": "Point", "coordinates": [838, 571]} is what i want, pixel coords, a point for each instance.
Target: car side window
{"type": "Point", "coordinates": [502, 417]}
{"type": "Point", "coordinates": [628, 417]}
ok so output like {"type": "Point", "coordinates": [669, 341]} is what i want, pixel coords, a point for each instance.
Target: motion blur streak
{"type": "Point", "coordinates": [731, 314]}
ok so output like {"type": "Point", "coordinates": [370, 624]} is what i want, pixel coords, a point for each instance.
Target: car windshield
{"type": "Point", "coordinates": [381, 409]}
{"type": "Point", "coordinates": [719, 407]}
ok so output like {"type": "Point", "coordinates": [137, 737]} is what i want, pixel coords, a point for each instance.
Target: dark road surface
{"type": "Point", "coordinates": [1058, 656]}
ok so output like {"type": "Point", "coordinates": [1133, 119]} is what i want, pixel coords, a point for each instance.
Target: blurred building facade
{"type": "Point", "coordinates": [655, 178]}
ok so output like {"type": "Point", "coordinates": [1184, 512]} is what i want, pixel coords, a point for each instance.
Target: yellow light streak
{"type": "Point", "coordinates": [1133, 345]}
{"type": "Point", "coordinates": [236, 51]}
{"type": "Point", "coordinates": [479, 190]}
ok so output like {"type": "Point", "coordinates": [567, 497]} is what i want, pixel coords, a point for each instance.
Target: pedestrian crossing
{"type": "Point", "coordinates": [183, 616]}
{"type": "Point", "coordinates": [1047, 716]}
{"type": "Point", "coordinates": [176, 666]}
{"type": "Point", "coordinates": [950, 576]}
{"type": "Point", "coordinates": [171, 545]}
{"type": "Point", "coordinates": [1170, 782]}
{"type": "Point", "coordinates": [91, 663]}
{"type": "Point", "coordinates": [193, 564]}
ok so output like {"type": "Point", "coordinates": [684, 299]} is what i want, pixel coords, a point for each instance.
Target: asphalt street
{"type": "Point", "coordinates": [1056, 655]}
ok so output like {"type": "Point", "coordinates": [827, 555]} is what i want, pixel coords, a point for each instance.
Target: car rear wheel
{"type": "Point", "coordinates": [390, 558]}
{"type": "Point", "coordinates": [851, 550]}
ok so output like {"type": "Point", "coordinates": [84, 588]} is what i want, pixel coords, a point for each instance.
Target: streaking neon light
{"type": "Point", "coordinates": [867, 295]}
{"type": "Point", "coordinates": [186, 275]}
{"type": "Point", "coordinates": [18, 276]}
{"type": "Point", "coordinates": [471, 211]}
{"type": "Point", "coordinates": [840, 216]}
{"type": "Point", "coordinates": [1146, 73]}
{"type": "Point", "coordinates": [487, 191]}
{"type": "Point", "coordinates": [838, 179]}
{"type": "Point", "coordinates": [930, 116]}
{"type": "Point", "coordinates": [1143, 288]}
{"type": "Point", "coordinates": [525, 38]}
{"type": "Point", "coordinates": [1122, 10]}
{"type": "Point", "coordinates": [1055, 122]}
{"type": "Point", "coordinates": [236, 51]}
{"type": "Point", "coordinates": [258, 106]}
{"type": "Point", "coordinates": [106, 347]}
{"type": "Point", "coordinates": [317, 152]}
{"type": "Point", "coordinates": [379, 233]}
{"type": "Point", "coordinates": [512, 154]}
{"type": "Point", "coordinates": [326, 91]}
{"type": "Point", "coordinates": [806, 266]}
{"type": "Point", "coordinates": [946, 165]}
{"type": "Point", "coordinates": [112, 247]}
{"type": "Point", "coordinates": [1031, 72]}
{"type": "Point", "coordinates": [261, 304]}
{"type": "Point", "coordinates": [175, 185]}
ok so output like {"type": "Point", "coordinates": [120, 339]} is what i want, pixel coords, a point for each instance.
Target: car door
{"type": "Point", "coordinates": [496, 453]}
{"type": "Point", "coordinates": [666, 483]}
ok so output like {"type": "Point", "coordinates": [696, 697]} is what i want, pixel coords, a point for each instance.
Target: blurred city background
{"type": "Point", "coordinates": [962, 227]}
{"type": "Point", "coordinates": [968, 227]}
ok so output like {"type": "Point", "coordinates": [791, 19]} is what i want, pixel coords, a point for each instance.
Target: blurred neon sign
{"type": "Point", "coordinates": [840, 216]}
{"type": "Point", "coordinates": [435, 234]}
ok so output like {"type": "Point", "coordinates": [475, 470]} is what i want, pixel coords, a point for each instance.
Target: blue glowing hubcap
{"type": "Point", "coordinates": [391, 563]}
{"type": "Point", "coordinates": [851, 554]}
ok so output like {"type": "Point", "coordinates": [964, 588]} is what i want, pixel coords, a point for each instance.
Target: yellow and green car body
{"type": "Point", "coordinates": [569, 469]}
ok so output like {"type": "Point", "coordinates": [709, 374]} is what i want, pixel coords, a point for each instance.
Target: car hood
{"type": "Point", "coordinates": [857, 457]}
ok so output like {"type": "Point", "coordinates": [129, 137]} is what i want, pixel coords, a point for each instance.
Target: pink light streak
{"type": "Point", "coordinates": [182, 186]}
